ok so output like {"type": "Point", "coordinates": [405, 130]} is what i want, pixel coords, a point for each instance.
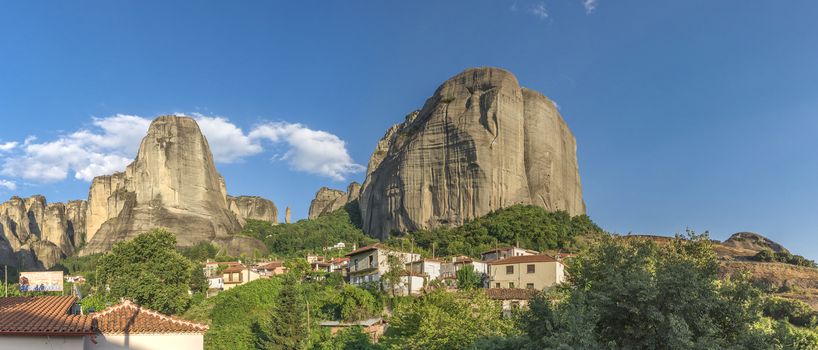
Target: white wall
{"type": "Point", "coordinates": [15, 342]}
{"type": "Point", "coordinates": [146, 342]}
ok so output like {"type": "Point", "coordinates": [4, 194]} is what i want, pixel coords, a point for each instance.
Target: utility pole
{"type": "Point", "coordinates": [6, 279]}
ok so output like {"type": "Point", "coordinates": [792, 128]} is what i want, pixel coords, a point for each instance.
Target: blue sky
{"type": "Point", "coordinates": [699, 114]}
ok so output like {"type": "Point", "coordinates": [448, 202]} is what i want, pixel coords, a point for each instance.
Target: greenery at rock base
{"type": "Point", "coordinates": [767, 255]}
{"type": "Point", "coordinates": [149, 271]}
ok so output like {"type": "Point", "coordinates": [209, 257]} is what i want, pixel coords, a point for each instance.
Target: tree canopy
{"type": "Point", "coordinates": [149, 271]}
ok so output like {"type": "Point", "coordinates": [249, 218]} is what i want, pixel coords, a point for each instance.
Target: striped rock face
{"type": "Point", "coordinates": [480, 143]}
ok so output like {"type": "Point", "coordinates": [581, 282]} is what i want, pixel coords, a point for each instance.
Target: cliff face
{"type": "Point", "coordinates": [328, 200]}
{"type": "Point", "coordinates": [172, 183]}
{"type": "Point", "coordinates": [252, 207]}
{"type": "Point", "coordinates": [35, 234]}
{"type": "Point", "coordinates": [480, 143]}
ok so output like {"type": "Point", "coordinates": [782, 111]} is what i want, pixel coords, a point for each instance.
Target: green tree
{"type": "Point", "coordinates": [634, 293]}
{"type": "Point", "coordinates": [446, 320]}
{"type": "Point", "coordinates": [392, 278]}
{"type": "Point", "coordinates": [356, 304]}
{"type": "Point", "coordinates": [287, 328]}
{"type": "Point", "coordinates": [352, 338]}
{"type": "Point", "coordinates": [467, 278]}
{"type": "Point", "coordinates": [149, 271]}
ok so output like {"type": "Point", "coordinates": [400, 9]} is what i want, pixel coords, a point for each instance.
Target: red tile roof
{"type": "Point", "coordinates": [523, 259]}
{"type": "Point", "coordinates": [47, 315]}
{"type": "Point", "coordinates": [129, 318]}
{"type": "Point", "coordinates": [271, 265]}
{"type": "Point", "coordinates": [510, 293]}
{"type": "Point", "coordinates": [235, 268]}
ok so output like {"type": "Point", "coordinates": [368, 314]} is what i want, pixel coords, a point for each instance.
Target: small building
{"type": "Point", "coordinates": [426, 267]}
{"type": "Point", "coordinates": [47, 322]}
{"type": "Point", "coordinates": [339, 264]}
{"type": "Point", "coordinates": [321, 266]}
{"type": "Point", "coordinates": [272, 268]}
{"type": "Point", "coordinates": [374, 327]}
{"type": "Point", "coordinates": [411, 283]}
{"type": "Point", "coordinates": [237, 275]}
{"type": "Point", "coordinates": [511, 299]}
{"type": "Point", "coordinates": [506, 252]}
{"type": "Point", "coordinates": [314, 258]}
{"type": "Point", "coordinates": [529, 271]}
{"type": "Point", "coordinates": [368, 264]}
{"type": "Point", "coordinates": [215, 283]}
{"type": "Point", "coordinates": [130, 326]}
{"type": "Point", "coordinates": [75, 279]}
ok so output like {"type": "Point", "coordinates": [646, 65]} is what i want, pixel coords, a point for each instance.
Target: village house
{"type": "Point", "coordinates": [339, 265]}
{"type": "Point", "coordinates": [368, 264]}
{"type": "Point", "coordinates": [49, 322]}
{"type": "Point", "coordinates": [449, 269]}
{"type": "Point", "coordinates": [411, 283]}
{"type": "Point", "coordinates": [237, 275]}
{"type": "Point", "coordinates": [54, 322]}
{"type": "Point", "coordinates": [130, 326]}
{"type": "Point", "coordinates": [430, 268]}
{"type": "Point", "coordinates": [272, 268]}
{"type": "Point", "coordinates": [528, 271]}
{"type": "Point", "coordinates": [506, 252]}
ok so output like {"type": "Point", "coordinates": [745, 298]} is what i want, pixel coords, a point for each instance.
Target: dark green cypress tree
{"type": "Point", "coordinates": [287, 328]}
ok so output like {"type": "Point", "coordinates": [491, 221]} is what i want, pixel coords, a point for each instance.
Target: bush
{"type": "Point", "coordinates": [795, 311]}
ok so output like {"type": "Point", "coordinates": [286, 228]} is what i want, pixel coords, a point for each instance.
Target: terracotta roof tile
{"type": "Point", "coordinates": [47, 315]}
{"type": "Point", "coordinates": [366, 248]}
{"type": "Point", "coordinates": [523, 259]}
{"type": "Point", "coordinates": [236, 268]}
{"type": "Point", "coordinates": [130, 318]}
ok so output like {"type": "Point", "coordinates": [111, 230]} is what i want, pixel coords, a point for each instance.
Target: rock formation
{"type": "Point", "coordinates": [252, 207]}
{"type": "Point", "coordinates": [754, 242]}
{"type": "Point", "coordinates": [35, 234]}
{"type": "Point", "coordinates": [172, 183]}
{"type": "Point", "coordinates": [328, 200]}
{"type": "Point", "coordinates": [287, 215]}
{"type": "Point", "coordinates": [480, 143]}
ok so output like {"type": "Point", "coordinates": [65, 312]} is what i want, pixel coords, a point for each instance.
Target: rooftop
{"type": "Point", "coordinates": [523, 259]}
{"type": "Point", "coordinates": [508, 248]}
{"type": "Point", "coordinates": [365, 249]}
{"type": "Point", "coordinates": [234, 269]}
{"type": "Point", "coordinates": [47, 315]}
{"type": "Point", "coordinates": [129, 318]}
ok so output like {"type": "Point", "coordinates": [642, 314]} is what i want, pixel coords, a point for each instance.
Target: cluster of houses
{"type": "Point", "coordinates": [501, 268]}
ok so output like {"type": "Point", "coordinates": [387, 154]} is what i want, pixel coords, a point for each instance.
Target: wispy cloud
{"type": "Point", "coordinates": [7, 146]}
{"type": "Point", "coordinates": [9, 185]}
{"type": "Point", "coordinates": [539, 10]}
{"type": "Point", "coordinates": [590, 5]}
{"type": "Point", "coordinates": [111, 144]}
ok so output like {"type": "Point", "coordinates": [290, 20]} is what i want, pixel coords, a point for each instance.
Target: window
{"type": "Point", "coordinates": [354, 264]}
{"type": "Point", "coordinates": [511, 284]}
{"type": "Point", "coordinates": [371, 260]}
{"type": "Point", "coordinates": [509, 269]}
{"type": "Point", "coordinates": [530, 268]}
{"type": "Point", "coordinates": [529, 285]}
{"type": "Point", "coordinates": [497, 285]}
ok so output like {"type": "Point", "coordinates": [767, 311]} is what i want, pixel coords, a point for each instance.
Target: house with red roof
{"type": "Point", "coordinates": [130, 326]}
{"type": "Point", "coordinates": [54, 322]}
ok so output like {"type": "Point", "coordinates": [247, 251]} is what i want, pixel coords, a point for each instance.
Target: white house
{"type": "Point", "coordinates": [369, 263]}
{"type": "Point", "coordinates": [506, 252]}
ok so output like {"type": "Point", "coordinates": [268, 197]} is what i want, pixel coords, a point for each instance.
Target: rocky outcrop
{"type": "Point", "coordinates": [252, 207]}
{"type": "Point", "coordinates": [75, 212]}
{"type": "Point", "coordinates": [288, 215]}
{"type": "Point", "coordinates": [754, 242]}
{"type": "Point", "coordinates": [328, 200]}
{"type": "Point", "coordinates": [35, 234]}
{"type": "Point", "coordinates": [173, 184]}
{"type": "Point", "coordinates": [480, 143]}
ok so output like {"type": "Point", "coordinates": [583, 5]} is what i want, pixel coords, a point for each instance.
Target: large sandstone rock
{"type": "Point", "coordinates": [328, 200]}
{"type": "Point", "coordinates": [480, 143]}
{"type": "Point", "coordinates": [173, 184]}
{"type": "Point", "coordinates": [252, 207]}
{"type": "Point", "coordinates": [35, 234]}
{"type": "Point", "coordinates": [75, 212]}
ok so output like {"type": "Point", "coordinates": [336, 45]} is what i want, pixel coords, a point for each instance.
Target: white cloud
{"type": "Point", "coordinates": [112, 142]}
{"type": "Point", "coordinates": [590, 5]}
{"type": "Point", "coordinates": [539, 10]}
{"type": "Point", "coordinates": [228, 142]}
{"type": "Point", "coordinates": [9, 185]}
{"type": "Point", "coordinates": [312, 151]}
{"type": "Point", "coordinates": [88, 153]}
{"type": "Point", "coordinates": [8, 146]}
